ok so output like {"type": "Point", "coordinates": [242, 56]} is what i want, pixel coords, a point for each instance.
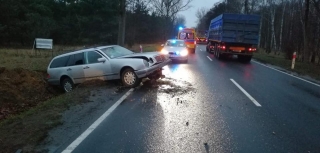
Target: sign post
{"type": "Point", "coordinates": [293, 60]}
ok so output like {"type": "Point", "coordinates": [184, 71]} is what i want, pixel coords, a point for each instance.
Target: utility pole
{"type": "Point", "coordinates": [122, 22]}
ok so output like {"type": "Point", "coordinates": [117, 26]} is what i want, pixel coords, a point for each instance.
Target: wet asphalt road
{"type": "Point", "coordinates": [197, 108]}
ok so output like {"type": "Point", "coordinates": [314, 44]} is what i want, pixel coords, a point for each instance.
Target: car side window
{"type": "Point", "coordinates": [71, 61]}
{"type": "Point", "coordinates": [78, 59]}
{"type": "Point", "coordinates": [59, 62]}
{"type": "Point", "coordinates": [92, 57]}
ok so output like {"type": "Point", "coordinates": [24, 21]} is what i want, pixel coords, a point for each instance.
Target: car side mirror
{"type": "Point", "coordinates": [162, 45]}
{"type": "Point", "coordinates": [101, 59]}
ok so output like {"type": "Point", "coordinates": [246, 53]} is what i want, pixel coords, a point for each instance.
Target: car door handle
{"type": "Point", "coordinates": [86, 67]}
{"type": "Point", "coordinates": [69, 69]}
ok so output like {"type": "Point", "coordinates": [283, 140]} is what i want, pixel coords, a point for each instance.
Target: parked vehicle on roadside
{"type": "Point", "coordinates": [105, 63]}
{"type": "Point", "coordinates": [234, 34]}
{"type": "Point", "coordinates": [176, 49]}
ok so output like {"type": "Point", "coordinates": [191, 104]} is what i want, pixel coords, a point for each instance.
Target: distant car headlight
{"type": "Point", "coordinates": [146, 63]}
{"type": "Point", "coordinates": [165, 52]}
{"type": "Point", "coordinates": [184, 52]}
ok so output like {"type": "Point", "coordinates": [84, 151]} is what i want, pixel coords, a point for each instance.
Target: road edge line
{"type": "Point", "coordinates": [94, 125]}
{"type": "Point", "coordinates": [246, 93]}
{"type": "Point", "coordinates": [287, 73]}
{"type": "Point", "coordinates": [209, 58]}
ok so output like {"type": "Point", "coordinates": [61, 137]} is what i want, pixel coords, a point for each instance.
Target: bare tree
{"type": "Point", "coordinates": [201, 12]}
{"type": "Point", "coordinates": [170, 8]}
{"type": "Point", "coordinates": [180, 20]}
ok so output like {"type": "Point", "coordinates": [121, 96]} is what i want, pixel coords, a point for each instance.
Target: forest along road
{"type": "Point", "coordinates": [208, 105]}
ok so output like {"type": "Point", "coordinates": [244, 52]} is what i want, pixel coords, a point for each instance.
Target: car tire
{"type": "Point", "coordinates": [129, 78]}
{"type": "Point", "coordinates": [67, 85]}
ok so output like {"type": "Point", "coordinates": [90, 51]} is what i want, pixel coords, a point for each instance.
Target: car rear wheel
{"type": "Point", "coordinates": [67, 85]}
{"type": "Point", "coordinates": [129, 78]}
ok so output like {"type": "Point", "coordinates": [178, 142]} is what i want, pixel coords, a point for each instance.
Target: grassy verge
{"type": "Point", "coordinates": [26, 130]}
{"type": "Point", "coordinates": [28, 59]}
{"type": "Point", "coordinates": [301, 68]}
{"type": "Point", "coordinates": [146, 47]}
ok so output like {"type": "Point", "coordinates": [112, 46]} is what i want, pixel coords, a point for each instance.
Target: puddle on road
{"type": "Point", "coordinates": [168, 86]}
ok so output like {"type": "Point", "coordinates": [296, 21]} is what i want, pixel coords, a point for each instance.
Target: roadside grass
{"type": "Point", "coordinates": [146, 47]}
{"type": "Point", "coordinates": [301, 68]}
{"type": "Point", "coordinates": [29, 59]}
{"type": "Point", "coordinates": [26, 130]}
{"type": "Point", "coordinates": [38, 61]}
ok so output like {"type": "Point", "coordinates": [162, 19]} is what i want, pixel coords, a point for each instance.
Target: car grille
{"type": "Point", "coordinates": [160, 58]}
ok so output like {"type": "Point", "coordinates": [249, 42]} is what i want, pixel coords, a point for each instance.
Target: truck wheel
{"type": "Point", "coordinates": [219, 55]}
{"type": "Point", "coordinates": [129, 78]}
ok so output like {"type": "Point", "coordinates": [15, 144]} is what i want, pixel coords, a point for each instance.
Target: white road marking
{"type": "Point", "coordinates": [287, 74]}
{"type": "Point", "coordinates": [209, 58]}
{"type": "Point", "coordinates": [246, 93]}
{"type": "Point", "coordinates": [76, 142]}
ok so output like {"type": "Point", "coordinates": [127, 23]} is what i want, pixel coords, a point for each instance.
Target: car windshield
{"type": "Point", "coordinates": [116, 51]}
{"type": "Point", "coordinates": [175, 43]}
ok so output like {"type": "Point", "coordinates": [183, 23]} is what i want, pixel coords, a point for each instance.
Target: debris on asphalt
{"type": "Point", "coordinates": [187, 123]}
{"type": "Point", "coordinates": [274, 133]}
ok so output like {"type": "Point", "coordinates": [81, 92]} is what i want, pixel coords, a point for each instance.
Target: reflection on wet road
{"type": "Point", "coordinates": [196, 108]}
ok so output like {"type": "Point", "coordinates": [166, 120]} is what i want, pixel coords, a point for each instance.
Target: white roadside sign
{"type": "Point", "coordinates": [41, 43]}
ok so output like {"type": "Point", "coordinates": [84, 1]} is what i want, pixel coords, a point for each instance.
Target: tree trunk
{"type": "Point", "coordinates": [122, 23]}
{"type": "Point", "coordinates": [246, 6]}
{"type": "Point", "coordinates": [274, 42]}
{"type": "Point", "coordinates": [305, 31]}
{"type": "Point", "coordinates": [281, 27]}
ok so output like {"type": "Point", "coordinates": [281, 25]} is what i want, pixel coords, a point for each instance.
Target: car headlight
{"type": "Point", "coordinates": [184, 52]}
{"type": "Point", "coordinates": [146, 63]}
{"type": "Point", "coordinates": [163, 51]}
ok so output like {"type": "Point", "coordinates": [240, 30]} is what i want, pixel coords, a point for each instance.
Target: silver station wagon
{"type": "Point", "coordinates": [105, 63]}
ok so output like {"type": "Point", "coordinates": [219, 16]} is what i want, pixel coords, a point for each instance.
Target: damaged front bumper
{"type": "Point", "coordinates": [152, 70]}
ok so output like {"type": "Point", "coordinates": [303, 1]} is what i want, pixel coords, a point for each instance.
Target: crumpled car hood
{"type": "Point", "coordinates": [154, 56]}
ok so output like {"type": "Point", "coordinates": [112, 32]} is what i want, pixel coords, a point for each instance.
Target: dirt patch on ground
{"type": "Point", "coordinates": [22, 89]}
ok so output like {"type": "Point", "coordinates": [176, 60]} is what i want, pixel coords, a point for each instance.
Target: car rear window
{"type": "Point", "coordinates": [59, 62]}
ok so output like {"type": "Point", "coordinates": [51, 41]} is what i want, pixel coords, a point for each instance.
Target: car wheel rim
{"type": "Point", "coordinates": [129, 78]}
{"type": "Point", "coordinates": [67, 87]}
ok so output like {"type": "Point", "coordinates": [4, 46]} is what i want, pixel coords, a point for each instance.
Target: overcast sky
{"type": "Point", "coordinates": [190, 14]}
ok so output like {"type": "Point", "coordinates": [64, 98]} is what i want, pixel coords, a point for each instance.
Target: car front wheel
{"type": "Point", "coordinates": [129, 78]}
{"type": "Point", "coordinates": [67, 85]}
